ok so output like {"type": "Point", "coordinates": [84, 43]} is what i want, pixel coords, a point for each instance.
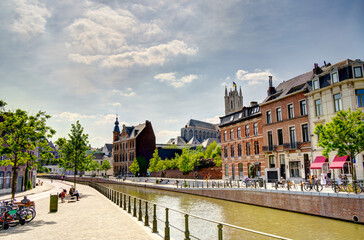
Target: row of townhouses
{"type": "Point", "coordinates": [275, 138]}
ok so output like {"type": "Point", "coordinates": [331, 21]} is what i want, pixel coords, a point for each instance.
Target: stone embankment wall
{"type": "Point", "coordinates": [348, 207]}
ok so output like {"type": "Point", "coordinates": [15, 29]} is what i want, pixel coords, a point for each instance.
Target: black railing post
{"type": "Point", "coordinates": [265, 184]}
{"type": "Point", "coordinates": [219, 232]}
{"type": "Point", "coordinates": [124, 201]}
{"type": "Point", "coordinates": [134, 209]}
{"type": "Point", "coordinates": [187, 232]}
{"type": "Point", "coordinates": [129, 207]}
{"type": "Point", "coordinates": [146, 217]}
{"type": "Point", "coordinates": [166, 229]}
{"type": "Point", "coordinates": [302, 186]}
{"type": "Point", "coordinates": [155, 229]}
{"type": "Point", "coordinates": [140, 218]}
{"type": "Point", "coordinates": [121, 200]}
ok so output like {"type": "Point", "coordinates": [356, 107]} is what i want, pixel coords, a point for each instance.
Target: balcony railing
{"type": "Point", "coordinates": [269, 148]}
{"type": "Point", "coordinates": [292, 145]}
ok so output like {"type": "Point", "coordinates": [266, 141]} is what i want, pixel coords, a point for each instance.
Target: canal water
{"type": "Point", "coordinates": [272, 221]}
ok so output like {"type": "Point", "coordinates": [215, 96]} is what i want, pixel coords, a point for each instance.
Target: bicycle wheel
{"type": "Point", "coordinates": [307, 187]}
{"type": "Point", "coordinates": [28, 214]}
{"type": "Point", "coordinates": [2, 223]}
{"type": "Point", "coordinates": [318, 187]}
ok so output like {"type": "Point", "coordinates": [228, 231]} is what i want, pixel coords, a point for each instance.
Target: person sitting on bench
{"type": "Point", "coordinates": [74, 193]}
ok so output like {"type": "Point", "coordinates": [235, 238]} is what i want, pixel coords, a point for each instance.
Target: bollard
{"type": "Point", "coordinates": [288, 186]}
{"type": "Point", "coordinates": [121, 200]}
{"type": "Point", "coordinates": [146, 217]}
{"type": "Point", "coordinates": [265, 184]}
{"type": "Point", "coordinates": [114, 197]}
{"type": "Point", "coordinates": [140, 211]}
{"type": "Point", "coordinates": [255, 184]}
{"type": "Point", "coordinates": [134, 209]}
{"type": "Point", "coordinates": [219, 231]}
{"type": "Point", "coordinates": [276, 185]}
{"type": "Point", "coordinates": [301, 186]}
{"type": "Point", "coordinates": [238, 185]}
{"type": "Point", "coordinates": [129, 207]}
{"type": "Point", "coordinates": [125, 202]}
{"type": "Point", "coordinates": [166, 229]}
{"type": "Point", "coordinates": [155, 229]}
{"type": "Point", "coordinates": [187, 232]}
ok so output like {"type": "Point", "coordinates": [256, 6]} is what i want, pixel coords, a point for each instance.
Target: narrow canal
{"type": "Point", "coordinates": [282, 223]}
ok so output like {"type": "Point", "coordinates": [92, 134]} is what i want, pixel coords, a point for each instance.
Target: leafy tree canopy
{"type": "Point", "coordinates": [134, 167]}
{"type": "Point", "coordinates": [344, 134]}
{"type": "Point", "coordinates": [105, 166]}
{"type": "Point", "coordinates": [21, 134]}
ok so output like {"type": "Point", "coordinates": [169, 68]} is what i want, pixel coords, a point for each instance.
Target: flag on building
{"type": "Point", "coordinates": [234, 84]}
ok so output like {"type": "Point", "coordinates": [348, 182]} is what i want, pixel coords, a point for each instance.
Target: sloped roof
{"type": "Point", "coordinates": [201, 124]}
{"type": "Point", "coordinates": [326, 69]}
{"type": "Point", "coordinates": [179, 141]}
{"type": "Point", "coordinates": [241, 115]}
{"type": "Point", "coordinates": [286, 88]}
{"type": "Point", "coordinates": [109, 146]}
{"type": "Point", "coordinates": [208, 141]}
{"type": "Point", "coordinates": [193, 141]}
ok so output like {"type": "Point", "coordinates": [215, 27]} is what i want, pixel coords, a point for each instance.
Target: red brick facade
{"type": "Point", "coordinates": [287, 146]}
{"type": "Point", "coordinates": [235, 159]}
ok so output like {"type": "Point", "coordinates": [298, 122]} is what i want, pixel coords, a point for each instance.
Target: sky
{"type": "Point", "coordinates": [162, 61]}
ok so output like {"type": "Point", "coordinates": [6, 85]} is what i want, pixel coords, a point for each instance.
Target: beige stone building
{"type": "Point", "coordinates": [334, 88]}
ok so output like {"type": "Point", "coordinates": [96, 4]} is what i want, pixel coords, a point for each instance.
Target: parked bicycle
{"type": "Point", "coordinates": [13, 213]}
{"type": "Point", "coordinates": [308, 186]}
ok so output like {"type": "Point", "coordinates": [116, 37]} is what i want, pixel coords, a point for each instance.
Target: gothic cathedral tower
{"type": "Point", "coordinates": [233, 100]}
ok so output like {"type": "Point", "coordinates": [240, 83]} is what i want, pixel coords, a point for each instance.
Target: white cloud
{"type": "Point", "coordinates": [71, 117]}
{"type": "Point", "coordinates": [128, 93]}
{"type": "Point", "coordinates": [116, 38]}
{"type": "Point", "coordinates": [171, 79]}
{"type": "Point", "coordinates": [167, 133]}
{"type": "Point", "coordinates": [32, 17]}
{"type": "Point", "coordinates": [115, 104]}
{"type": "Point", "coordinates": [213, 120]}
{"type": "Point", "coordinates": [254, 78]}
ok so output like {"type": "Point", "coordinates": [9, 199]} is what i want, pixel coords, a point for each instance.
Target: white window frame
{"type": "Point", "coordinates": [270, 117]}
{"type": "Point", "coordinates": [355, 66]}
{"type": "Point", "coordinates": [316, 113]}
{"type": "Point", "coordinates": [318, 83]}
{"type": "Point", "coordinates": [308, 132]}
{"type": "Point", "coordinates": [289, 117]}
{"type": "Point", "coordinates": [280, 115]}
{"type": "Point", "coordinates": [332, 76]}
{"type": "Point", "coordinates": [340, 106]}
{"type": "Point", "coordinates": [305, 109]}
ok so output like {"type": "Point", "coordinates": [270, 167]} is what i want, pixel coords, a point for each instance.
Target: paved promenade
{"type": "Point", "coordinates": [93, 217]}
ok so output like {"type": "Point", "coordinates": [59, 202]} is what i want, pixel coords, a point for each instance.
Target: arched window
{"type": "Point", "coordinates": [8, 179]}
{"type": "Point", "coordinates": [204, 135]}
{"type": "Point", "coordinates": [195, 133]}
{"type": "Point", "coordinates": [226, 170]}
{"type": "Point", "coordinates": [200, 134]}
{"type": "Point", "coordinates": [191, 134]}
{"type": "Point", "coordinates": [208, 135]}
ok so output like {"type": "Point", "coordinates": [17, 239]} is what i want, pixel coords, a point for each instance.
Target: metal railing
{"type": "Point", "coordinates": [140, 209]}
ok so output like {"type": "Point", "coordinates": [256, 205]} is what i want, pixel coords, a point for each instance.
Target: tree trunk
{"type": "Point", "coordinates": [352, 167]}
{"type": "Point", "coordinates": [74, 176]}
{"type": "Point", "coordinates": [13, 185]}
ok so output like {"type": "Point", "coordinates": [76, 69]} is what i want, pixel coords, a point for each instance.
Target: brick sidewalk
{"type": "Point", "coordinates": [93, 217]}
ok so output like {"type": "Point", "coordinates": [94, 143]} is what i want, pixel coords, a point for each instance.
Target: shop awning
{"type": "Point", "coordinates": [319, 161]}
{"type": "Point", "coordinates": [338, 162]}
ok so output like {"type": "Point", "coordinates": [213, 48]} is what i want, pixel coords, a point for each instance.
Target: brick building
{"type": "Point", "coordinates": [286, 137]}
{"type": "Point", "coordinates": [131, 142]}
{"type": "Point", "coordinates": [241, 139]}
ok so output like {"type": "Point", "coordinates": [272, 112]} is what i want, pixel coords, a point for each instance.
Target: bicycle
{"type": "Point", "coordinates": [308, 186]}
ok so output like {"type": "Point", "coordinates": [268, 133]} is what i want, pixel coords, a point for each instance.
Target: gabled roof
{"type": "Point", "coordinates": [193, 141]}
{"type": "Point", "coordinates": [108, 146]}
{"type": "Point", "coordinates": [201, 124]}
{"type": "Point", "coordinates": [179, 141]}
{"type": "Point", "coordinates": [244, 114]}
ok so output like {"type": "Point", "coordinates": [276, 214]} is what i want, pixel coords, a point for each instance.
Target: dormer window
{"type": "Point", "coordinates": [315, 84]}
{"type": "Point", "coordinates": [334, 77]}
{"type": "Point", "coordinates": [358, 71]}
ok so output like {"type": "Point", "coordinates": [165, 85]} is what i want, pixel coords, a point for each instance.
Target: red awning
{"type": "Point", "coordinates": [319, 161]}
{"type": "Point", "coordinates": [338, 162]}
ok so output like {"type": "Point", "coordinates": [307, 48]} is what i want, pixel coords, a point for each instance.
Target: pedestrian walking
{"type": "Point", "coordinates": [323, 178]}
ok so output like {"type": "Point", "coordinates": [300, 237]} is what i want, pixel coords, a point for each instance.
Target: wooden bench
{"type": "Point", "coordinates": [70, 198]}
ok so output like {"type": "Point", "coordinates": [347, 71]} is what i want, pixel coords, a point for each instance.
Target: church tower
{"type": "Point", "coordinates": [233, 100]}
{"type": "Point", "coordinates": [116, 131]}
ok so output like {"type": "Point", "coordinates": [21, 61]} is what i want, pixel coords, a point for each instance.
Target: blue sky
{"type": "Point", "coordinates": [165, 61]}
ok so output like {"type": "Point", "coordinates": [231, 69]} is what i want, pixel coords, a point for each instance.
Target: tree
{"type": "Point", "coordinates": [134, 167]}
{"type": "Point", "coordinates": [20, 135]}
{"type": "Point", "coordinates": [73, 151]}
{"type": "Point", "coordinates": [210, 149]}
{"type": "Point", "coordinates": [153, 162]}
{"type": "Point", "coordinates": [105, 166]}
{"type": "Point", "coordinates": [143, 165]}
{"type": "Point", "coordinates": [344, 134]}
{"type": "Point", "coordinates": [94, 166]}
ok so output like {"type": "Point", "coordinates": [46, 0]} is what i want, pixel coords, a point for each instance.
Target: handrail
{"type": "Point", "coordinates": [195, 216]}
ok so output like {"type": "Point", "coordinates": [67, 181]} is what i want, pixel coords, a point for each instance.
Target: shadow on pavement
{"type": "Point", "coordinates": [25, 228]}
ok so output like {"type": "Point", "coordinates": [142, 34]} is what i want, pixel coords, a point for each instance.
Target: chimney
{"type": "Point", "coordinates": [253, 103]}
{"type": "Point", "coordinates": [316, 69]}
{"type": "Point", "coordinates": [271, 89]}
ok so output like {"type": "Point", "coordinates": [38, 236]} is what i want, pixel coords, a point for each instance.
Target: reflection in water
{"type": "Point", "coordinates": [283, 223]}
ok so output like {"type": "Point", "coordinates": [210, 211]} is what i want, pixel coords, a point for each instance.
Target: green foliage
{"type": "Point", "coordinates": [94, 166]}
{"type": "Point", "coordinates": [171, 147]}
{"type": "Point", "coordinates": [105, 166]}
{"type": "Point", "coordinates": [23, 133]}
{"type": "Point", "coordinates": [251, 171]}
{"type": "Point", "coordinates": [218, 161]}
{"type": "Point", "coordinates": [344, 134]}
{"type": "Point", "coordinates": [134, 167]}
{"type": "Point", "coordinates": [73, 151]}
{"type": "Point", "coordinates": [153, 162]}
{"type": "Point", "coordinates": [209, 150]}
